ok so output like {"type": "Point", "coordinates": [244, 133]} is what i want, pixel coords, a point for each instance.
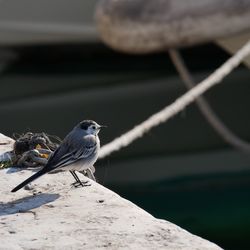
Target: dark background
{"type": "Point", "coordinates": [182, 170]}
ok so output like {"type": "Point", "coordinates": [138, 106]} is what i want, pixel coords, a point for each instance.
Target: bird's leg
{"type": "Point", "coordinates": [74, 175]}
{"type": "Point", "coordinates": [78, 182]}
{"type": "Point", "coordinates": [88, 172]}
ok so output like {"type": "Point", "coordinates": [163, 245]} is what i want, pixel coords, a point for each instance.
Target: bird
{"type": "Point", "coordinates": [77, 152]}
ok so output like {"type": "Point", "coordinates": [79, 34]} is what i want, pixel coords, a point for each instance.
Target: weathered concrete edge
{"type": "Point", "coordinates": [30, 215]}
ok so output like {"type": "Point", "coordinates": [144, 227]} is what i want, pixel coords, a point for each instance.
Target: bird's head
{"type": "Point", "coordinates": [90, 127]}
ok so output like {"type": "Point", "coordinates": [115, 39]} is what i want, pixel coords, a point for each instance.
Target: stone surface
{"type": "Point", "coordinates": [6, 145]}
{"type": "Point", "coordinates": [54, 215]}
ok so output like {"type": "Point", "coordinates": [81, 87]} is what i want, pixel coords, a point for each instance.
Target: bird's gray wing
{"type": "Point", "coordinates": [66, 155]}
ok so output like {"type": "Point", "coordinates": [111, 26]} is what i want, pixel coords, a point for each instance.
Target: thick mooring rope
{"type": "Point", "coordinates": [178, 105]}
{"type": "Point", "coordinates": [225, 133]}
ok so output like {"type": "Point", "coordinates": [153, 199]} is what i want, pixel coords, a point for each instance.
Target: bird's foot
{"type": "Point", "coordinates": [81, 184]}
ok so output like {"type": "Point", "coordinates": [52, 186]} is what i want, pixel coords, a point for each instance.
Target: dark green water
{"type": "Point", "coordinates": [214, 207]}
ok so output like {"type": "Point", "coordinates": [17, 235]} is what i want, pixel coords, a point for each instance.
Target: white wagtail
{"type": "Point", "coordinates": [78, 152]}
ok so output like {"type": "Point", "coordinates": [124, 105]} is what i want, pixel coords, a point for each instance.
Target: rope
{"type": "Point", "coordinates": [205, 108]}
{"type": "Point", "coordinates": [178, 105]}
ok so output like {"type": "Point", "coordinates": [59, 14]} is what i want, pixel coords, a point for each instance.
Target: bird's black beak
{"type": "Point", "coordinates": [102, 126]}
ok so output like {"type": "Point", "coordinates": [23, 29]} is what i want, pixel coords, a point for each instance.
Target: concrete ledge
{"type": "Point", "coordinates": [53, 215]}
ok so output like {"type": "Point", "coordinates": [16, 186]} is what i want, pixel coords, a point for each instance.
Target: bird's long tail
{"type": "Point", "coordinates": [30, 179]}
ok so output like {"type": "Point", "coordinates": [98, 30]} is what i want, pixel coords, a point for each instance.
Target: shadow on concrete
{"type": "Point", "coordinates": [16, 169]}
{"type": "Point", "coordinates": [27, 203]}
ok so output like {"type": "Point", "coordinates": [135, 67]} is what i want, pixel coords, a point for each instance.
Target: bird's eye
{"type": "Point", "coordinates": [94, 127]}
